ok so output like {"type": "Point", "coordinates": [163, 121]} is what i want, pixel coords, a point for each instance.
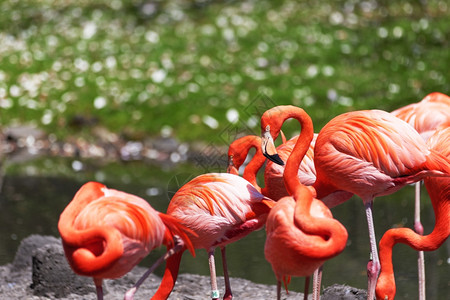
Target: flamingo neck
{"type": "Point", "coordinates": [291, 179]}
{"type": "Point", "coordinates": [251, 170]}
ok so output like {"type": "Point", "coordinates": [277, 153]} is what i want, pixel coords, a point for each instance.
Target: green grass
{"type": "Point", "coordinates": [187, 60]}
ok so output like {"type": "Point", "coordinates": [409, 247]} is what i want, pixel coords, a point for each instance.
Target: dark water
{"type": "Point", "coordinates": [30, 202]}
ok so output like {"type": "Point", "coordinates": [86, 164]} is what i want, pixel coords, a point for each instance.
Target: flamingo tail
{"type": "Point", "coordinates": [175, 228]}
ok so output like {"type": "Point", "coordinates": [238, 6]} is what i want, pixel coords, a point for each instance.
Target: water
{"type": "Point", "coordinates": [32, 204]}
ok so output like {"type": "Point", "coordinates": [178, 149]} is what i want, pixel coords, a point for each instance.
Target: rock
{"type": "Point", "coordinates": [52, 275]}
{"type": "Point", "coordinates": [40, 271]}
{"type": "Point", "coordinates": [343, 292]}
{"type": "Point", "coordinates": [27, 246]}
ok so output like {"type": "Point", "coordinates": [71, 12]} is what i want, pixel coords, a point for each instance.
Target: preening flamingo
{"type": "Point", "coordinates": [220, 208]}
{"type": "Point", "coordinates": [439, 191]}
{"type": "Point", "coordinates": [273, 173]}
{"type": "Point", "coordinates": [425, 116]}
{"type": "Point", "coordinates": [368, 153]}
{"type": "Point", "coordinates": [106, 232]}
{"type": "Point", "coordinates": [301, 232]}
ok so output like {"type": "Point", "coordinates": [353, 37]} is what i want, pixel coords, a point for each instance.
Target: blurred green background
{"type": "Point", "coordinates": [190, 67]}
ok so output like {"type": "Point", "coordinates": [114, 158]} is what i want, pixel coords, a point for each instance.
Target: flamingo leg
{"type": "Point", "coordinates": [306, 291]}
{"type": "Point", "coordinates": [420, 255]}
{"type": "Point", "coordinates": [99, 288]}
{"type": "Point", "coordinates": [278, 289]}
{"type": "Point", "coordinates": [317, 280]}
{"type": "Point", "coordinates": [178, 246]}
{"type": "Point", "coordinates": [228, 295]}
{"type": "Point", "coordinates": [373, 267]}
{"type": "Point", "coordinates": [212, 269]}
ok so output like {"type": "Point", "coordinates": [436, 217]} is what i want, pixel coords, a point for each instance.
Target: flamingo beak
{"type": "Point", "coordinates": [268, 148]}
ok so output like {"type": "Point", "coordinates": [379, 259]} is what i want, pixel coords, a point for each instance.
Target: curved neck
{"type": "Point", "coordinates": [251, 170]}
{"type": "Point", "coordinates": [243, 146]}
{"type": "Point", "coordinates": [291, 179]}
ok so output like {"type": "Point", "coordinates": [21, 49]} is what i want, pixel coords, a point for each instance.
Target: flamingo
{"type": "Point", "coordinates": [439, 192]}
{"type": "Point", "coordinates": [301, 231]}
{"type": "Point", "coordinates": [106, 232]}
{"type": "Point", "coordinates": [220, 208]}
{"type": "Point", "coordinates": [368, 153]}
{"type": "Point", "coordinates": [273, 174]}
{"type": "Point", "coordinates": [425, 116]}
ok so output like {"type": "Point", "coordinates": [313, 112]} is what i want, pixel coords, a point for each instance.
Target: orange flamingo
{"type": "Point", "coordinates": [106, 232]}
{"type": "Point", "coordinates": [220, 208]}
{"type": "Point", "coordinates": [439, 191]}
{"type": "Point", "coordinates": [301, 232]}
{"type": "Point", "coordinates": [273, 174]}
{"type": "Point", "coordinates": [425, 116]}
{"type": "Point", "coordinates": [368, 153]}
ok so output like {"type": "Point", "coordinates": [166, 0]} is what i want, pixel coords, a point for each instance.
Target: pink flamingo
{"type": "Point", "coordinates": [301, 232]}
{"type": "Point", "coordinates": [439, 191]}
{"type": "Point", "coordinates": [105, 233]}
{"type": "Point", "coordinates": [220, 208]}
{"type": "Point", "coordinates": [425, 116]}
{"type": "Point", "coordinates": [368, 153]}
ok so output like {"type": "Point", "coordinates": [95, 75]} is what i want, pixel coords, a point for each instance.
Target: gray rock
{"type": "Point", "coordinates": [343, 292]}
{"type": "Point", "coordinates": [52, 275]}
{"type": "Point", "coordinates": [27, 247]}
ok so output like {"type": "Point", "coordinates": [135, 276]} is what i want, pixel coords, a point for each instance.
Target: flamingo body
{"type": "Point", "coordinates": [106, 232]}
{"type": "Point", "coordinates": [136, 226]}
{"type": "Point", "coordinates": [288, 249]}
{"type": "Point", "coordinates": [301, 233]}
{"type": "Point", "coordinates": [426, 115]}
{"type": "Point", "coordinates": [439, 192]}
{"type": "Point", "coordinates": [221, 208]}
{"type": "Point", "coordinates": [372, 153]}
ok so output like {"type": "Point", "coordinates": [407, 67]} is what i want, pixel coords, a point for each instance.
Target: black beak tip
{"type": "Point", "coordinates": [275, 158]}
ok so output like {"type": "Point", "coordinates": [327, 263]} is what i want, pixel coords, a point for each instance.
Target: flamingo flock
{"type": "Point", "coordinates": [368, 153]}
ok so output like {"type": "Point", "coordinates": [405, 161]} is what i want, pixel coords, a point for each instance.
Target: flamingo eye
{"type": "Point", "coordinates": [267, 128]}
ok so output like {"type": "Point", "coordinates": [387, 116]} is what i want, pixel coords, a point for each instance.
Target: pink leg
{"type": "Point", "coordinates": [179, 244]}
{"type": "Point", "coordinates": [420, 256]}
{"type": "Point", "coordinates": [99, 287]}
{"type": "Point", "coordinates": [317, 280]}
{"type": "Point", "coordinates": [228, 295]}
{"type": "Point", "coordinates": [373, 267]}
{"type": "Point", "coordinates": [212, 269]}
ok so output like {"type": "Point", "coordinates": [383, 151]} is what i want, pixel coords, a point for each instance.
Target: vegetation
{"type": "Point", "coordinates": [191, 68]}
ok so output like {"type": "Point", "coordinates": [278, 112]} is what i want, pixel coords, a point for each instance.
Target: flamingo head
{"type": "Point", "coordinates": [385, 289]}
{"type": "Point", "coordinates": [268, 147]}
{"type": "Point", "coordinates": [238, 150]}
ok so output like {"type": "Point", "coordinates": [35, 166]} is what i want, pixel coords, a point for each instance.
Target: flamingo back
{"type": "Point", "coordinates": [213, 204]}
{"type": "Point", "coordinates": [425, 116]}
{"type": "Point", "coordinates": [439, 188]}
